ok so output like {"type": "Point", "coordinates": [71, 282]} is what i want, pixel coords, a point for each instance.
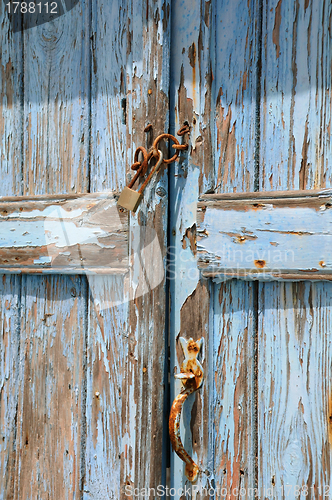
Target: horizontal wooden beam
{"type": "Point", "coordinates": [70, 234]}
{"type": "Point", "coordinates": [266, 236]}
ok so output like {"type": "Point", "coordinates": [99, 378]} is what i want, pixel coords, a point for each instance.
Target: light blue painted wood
{"type": "Point", "coordinates": [189, 299]}
{"type": "Point", "coordinates": [9, 378]}
{"type": "Point", "coordinates": [235, 121]}
{"type": "Point", "coordinates": [126, 336]}
{"type": "Point", "coordinates": [110, 35]}
{"type": "Point", "coordinates": [50, 433]}
{"type": "Point", "coordinates": [11, 108]}
{"type": "Point", "coordinates": [295, 147]}
{"type": "Point", "coordinates": [63, 235]}
{"type": "Point", "coordinates": [233, 373]}
{"type": "Point", "coordinates": [56, 104]}
{"type": "Point", "coordinates": [295, 388]}
{"type": "Point", "coordinates": [213, 88]}
{"type": "Point", "coordinates": [294, 321]}
{"type": "Point", "coordinates": [278, 238]}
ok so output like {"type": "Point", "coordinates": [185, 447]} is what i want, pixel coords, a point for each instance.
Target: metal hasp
{"type": "Point", "coordinates": [191, 377]}
{"type": "Point", "coordinates": [129, 198]}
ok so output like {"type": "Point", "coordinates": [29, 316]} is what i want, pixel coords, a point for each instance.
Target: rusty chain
{"type": "Point", "coordinates": [141, 166]}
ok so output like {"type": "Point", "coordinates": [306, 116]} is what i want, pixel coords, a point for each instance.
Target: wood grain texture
{"type": "Point", "coordinates": [11, 109]}
{"type": "Point", "coordinates": [233, 321]}
{"type": "Point", "coordinates": [47, 155]}
{"type": "Point", "coordinates": [82, 235]}
{"type": "Point", "coordinates": [50, 427]}
{"type": "Point", "coordinates": [193, 173]}
{"type": "Point", "coordinates": [129, 89]}
{"type": "Point", "coordinates": [234, 95]}
{"type": "Point", "coordinates": [213, 86]}
{"type": "Point", "coordinates": [294, 346]}
{"type": "Point", "coordinates": [56, 104]}
{"type": "Point", "coordinates": [295, 390]}
{"type": "Point", "coordinates": [107, 409]}
{"type": "Point", "coordinates": [296, 96]}
{"type": "Point", "coordinates": [110, 50]}
{"type": "Point", "coordinates": [235, 92]}
{"type": "Point", "coordinates": [147, 102]}
{"type": "Point", "coordinates": [9, 362]}
{"type": "Point", "coordinates": [265, 238]}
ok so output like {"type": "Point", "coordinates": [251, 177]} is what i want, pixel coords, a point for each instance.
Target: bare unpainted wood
{"type": "Point", "coordinates": [70, 235]}
{"type": "Point", "coordinates": [269, 237]}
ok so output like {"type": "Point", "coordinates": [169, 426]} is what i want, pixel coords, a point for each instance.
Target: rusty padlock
{"type": "Point", "coordinates": [129, 198]}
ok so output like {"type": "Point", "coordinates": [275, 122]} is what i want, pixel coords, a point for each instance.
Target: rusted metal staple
{"type": "Point", "coordinates": [185, 129]}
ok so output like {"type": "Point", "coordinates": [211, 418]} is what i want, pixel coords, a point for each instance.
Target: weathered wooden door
{"type": "Point", "coordinates": [86, 379]}
{"type": "Point", "coordinates": [82, 363]}
{"type": "Point", "coordinates": [253, 79]}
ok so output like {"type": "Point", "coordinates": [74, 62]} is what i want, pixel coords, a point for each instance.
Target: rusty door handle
{"type": "Point", "coordinates": [191, 377]}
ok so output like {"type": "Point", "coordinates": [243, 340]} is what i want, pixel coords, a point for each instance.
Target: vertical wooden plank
{"type": "Point", "coordinates": [56, 104]}
{"type": "Point", "coordinates": [110, 35]}
{"type": "Point", "coordinates": [147, 102]}
{"type": "Point", "coordinates": [126, 352]}
{"type": "Point", "coordinates": [234, 415]}
{"type": "Point", "coordinates": [50, 428]}
{"type": "Point", "coordinates": [294, 345]}
{"type": "Point", "coordinates": [9, 370]}
{"type": "Point", "coordinates": [237, 56]}
{"type": "Point", "coordinates": [213, 67]}
{"type": "Point", "coordinates": [231, 99]}
{"type": "Point", "coordinates": [295, 390]}
{"type": "Point", "coordinates": [235, 87]}
{"type": "Point", "coordinates": [51, 410]}
{"type": "Point", "coordinates": [296, 95]}
{"type": "Point", "coordinates": [107, 354]}
{"type": "Point", "coordinates": [11, 106]}
{"type": "Point", "coordinates": [11, 132]}
{"type": "Point", "coordinates": [106, 407]}
{"type": "Point", "coordinates": [191, 101]}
